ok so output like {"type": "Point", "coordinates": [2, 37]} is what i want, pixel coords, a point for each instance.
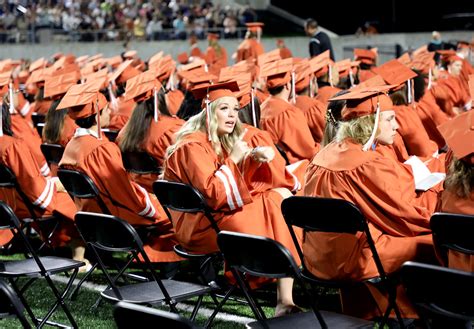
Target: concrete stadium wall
{"type": "Point", "coordinates": [298, 45]}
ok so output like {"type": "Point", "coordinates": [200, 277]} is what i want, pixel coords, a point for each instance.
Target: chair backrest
{"type": "Point", "coordinates": [111, 134]}
{"type": "Point", "coordinates": [129, 315]}
{"type": "Point", "coordinates": [8, 180]}
{"type": "Point", "coordinates": [440, 290]}
{"type": "Point", "coordinates": [107, 232]}
{"type": "Point", "coordinates": [140, 163]}
{"type": "Point", "coordinates": [10, 304]}
{"type": "Point", "coordinates": [81, 186]}
{"type": "Point", "coordinates": [453, 231]}
{"type": "Point", "coordinates": [256, 255]}
{"type": "Point", "coordinates": [323, 214]}
{"type": "Point", "coordinates": [37, 118]}
{"type": "Point", "coordinates": [39, 128]}
{"type": "Point", "coordinates": [182, 197]}
{"type": "Point", "coordinates": [52, 152]}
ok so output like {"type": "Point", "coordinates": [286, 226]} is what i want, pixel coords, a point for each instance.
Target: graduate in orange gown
{"type": "Point", "coordinates": [216, 55]}
{"type": "Point", "coordinates": [193, 43]}
{"type": "Point", "coordinates": [327, 77]}
{"type": "Point", "coordinates": [349, 169]}
{"type": "Point", "coordinates": [45, 193]}
{"type": "Point", "coordinates": [210, 155]}
{"type": "Point", "coordinates": [251, 47]}
{"type": "Point", "coordinates": [314, 111]}
{"type": "Point", "coordinates": [286, 123]}
{"type": "Point", "coordinates": [101, 160]}
{"type": "Point", "coordinates": [120, 116]}
{"type": "Point", "coordinates": [151, 128]}
{"type": "Point", "coordinates": [284, 51]}
{"type": "Point", "coordinates": [368, 60]}
{"type": "Point", "coordinates": [458, 196]}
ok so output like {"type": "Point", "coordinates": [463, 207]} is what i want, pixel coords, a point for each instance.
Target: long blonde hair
{"type": "Point", "coordinates": [198, 123]}
{"type": "Point", "coordinates": [460, 178]}
{"type": "Point", "coordinates": [358, 129]}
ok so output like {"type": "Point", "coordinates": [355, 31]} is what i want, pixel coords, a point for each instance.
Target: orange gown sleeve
{"type": "Point", "coordinates": [222, 185]}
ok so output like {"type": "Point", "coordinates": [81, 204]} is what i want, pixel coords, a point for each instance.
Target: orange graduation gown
{"type": "Point", "coordinates": [174, 99]}
{"type": "Point", "coordinates": [224, 186]}
{"type": "Point", "coordinates": [432, 116]}
{"type": "Point", "coordinates": [325, 93]}
{"type": "Point", "coordinates": [101, 160]}
{"type": "Point", "coordinates": [383, 192]}
{"type": "Point", "coordinates": [119, 118]}
{"type": "Point", "coordinates": [249, 48]}
{"type": "Point", "coordinates": [288, 128]}
{"type": "Point", "coordinates": [41, 191]}
{"type": "Point", "coordinates": [315, 113]}
{"type": "Point", "coordinates": [216, 60]}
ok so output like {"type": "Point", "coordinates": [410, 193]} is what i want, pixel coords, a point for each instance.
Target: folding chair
{"type": "Point", "coordinates": [140, 163]}
{"type": "Point", "coordinates": [439, 291]}
{"type": "Point", "coordinates": [453, 232]}
{"type": "Point", "coordinates": [45, 224]}
{"type": "Point", "coordinates": [128, 315]}
{"type": "Point", "coordinates": [264, 257]}
{"type": "Point", "coordinates": [38, 122]}
{"type": "Point", "coordinates": [314, 214]}
{"type": "Point", "coordinates": [39, 128]}
{"type": "Point", "coordinates": [185, 198]}
{"type": "Point", "coordinates": [111, 134]}
{"type": "Point", "coordinates": [52, 153]}
{"type": "Point", "coordinates": [10, 305]}
{"type": "Point", "coordinates": [81, 186]}
{"type": "Point", "coordinates": [111, 234]}
{"type": "Point", "coordinates": [34, 268]}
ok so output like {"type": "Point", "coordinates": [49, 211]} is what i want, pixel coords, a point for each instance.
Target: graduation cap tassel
{"type": "Point", "coordinates": [293, 88]}
{"type": "Point", "coordinates": [254, 116]}
{"type": "Point", "coordinates": [113, 99]}
{"type": "Point", "coordinates": [330, 75]}
{"type": "Point", "coordinates": [409, 91]}
{"type": "Point", "coordinates": [171, 81]}
{"type": "Point", "coordinates": [351, 78]}
{"type": "Point", "coordinates": [311, 93]}
{"type": "Point", "coordinates": [371, 140]}
{"type": "Point", "coordinates": [99, 130]}
{"type": "Point", "coordinates": [155, 105]}
{"type": "Point", "coordinates": [206, 68]}
{"type": "Point", "coordinates": [10, 95]}
{"type": "Point", "coordinates": [430, 79]}
{"type": "Point", "coordinates": [208, 117]}
{"type": "Point", "coordinates": [259, 34]}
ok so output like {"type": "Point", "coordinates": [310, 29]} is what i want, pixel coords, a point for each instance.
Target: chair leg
{"type": "Point", "coordinates": [219, 306]}
{"type": "Point", "coordinates": [246, 290]}
{"type": "Point", "coordinates": [24, 302]}
{"type": "Point", "coordinates": [76, 289]}
{"type": "Point", "coordinates": [196, 308]}
{"type": "Point", "coordinates": [313, 305]}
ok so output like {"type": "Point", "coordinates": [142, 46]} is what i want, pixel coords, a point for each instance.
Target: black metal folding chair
{"type": "Point", "coordinates": [11, 306]}
{"type": "Point", "coordinates": [129, 315]}
{"type": "Point", "coordinates": [185, 198]}
{"type": "Point", "coordinates": [439, 292]}
{"type": "Point", "coordinates": [264, 257]}
{"type": "Point", "coordinates": [111, 234]}
{"type": "Point", "coordinates": [140, 163]}
{"type": "Point", "coordinates": [453, 232]}
{"type": "Point", "coordinates": [111, 134]}
{"type": "Point", "coordinates": [39, 128]}
{"type": "Point", "coordinates": [34, 268]}
{"type": "Point", "coordinates": [52, 152]}
{"type": "Point", "coordinates": [46, 225]}
{"type": "Point", "coordinates": [314, 214]}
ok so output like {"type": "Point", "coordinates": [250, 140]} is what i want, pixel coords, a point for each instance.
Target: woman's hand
{"type": "Point", "coordinates": [263, 153]}
{"type": "Point", "coordinates": [240, 150]}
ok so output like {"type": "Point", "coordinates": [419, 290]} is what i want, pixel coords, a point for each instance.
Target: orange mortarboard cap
{"type": "Point", "coordinates": [421, 50]}
{"type": "Point", "coordinates": [197, 77]}
{"type": "Point", "coordinates": [82, 59]}
{"type": "Point", "coordinates": [197, 62]}
{"type": "Point", "coordinates": [38, 64]}
{"type": "Point", "coordinates": [212, 36]}
{"type": "Point", "coordinates": [365, 56]}
{"type": "Point", "coordinates": [423, 62]}
{"type": "Point", "coordinates": [278, 73]}
{"type": "Point", "coordinates": [81, 100]}
{"type": "Point", "coordinates": [101, 75]}
{"type": "Point", "coordinates": [303, 72]}
{"type": "Point", "coordinates": [5, 79]}
{"type": "Point", "coordinates": [268, 57]}
{"type": "Point", "coordinates": [343, 66]}
{"type": "Point", "coordinates": [64, 60]}
{"type": "Point", "coordinates": [57, 55]}
{"type": "Point", "coordinates": [216, 91]}
{"type": "Point", "coordinates": [142, 86]}
{"type": "Point", "coordinates": [59, 85]}
{"type": "Point", "coordinates": [446, 53]}
{"type": "Point", "coordinates": [453, 58]}
{"type": "Point", "coordinates": [155, 58]}
{"type": "Point", "coordinates": [95, 57]}
{"type": "Point", "coordinates": [245, 87]}
{"type": "Point", "coordinates": [374, 81]}
{"type": "Point", "coordinates": [463, 44]}
{"type": "Point", "coordinates": [319, 64]}
{"type": "Point", "coordinates": [114, 61]}
{"type": "Point", "coordinates": [130, 54]}
{"type": "Point", "coordinates": [183, 58]}
{"type": "Point", "coordinates": [362, 102]}
{"type": "Point", "coordinates": [459, 135]}
{"type": "Point", "coordinates": [39, 76]}
{"type": "Point", "coordinates": [8, 65]}
{"type": "Point", "coordinates": [124, 72]}
{"type": "Point", "coordinates": [404, 59]}
{"type": "Point", "coordinates": [66, 69]}
{"type": "Point", "coordinates": [254, 26]}
{"type": "Point", "coordinates": [23, 76]}
{"type": "Point", "coordinates": [394, 72]}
